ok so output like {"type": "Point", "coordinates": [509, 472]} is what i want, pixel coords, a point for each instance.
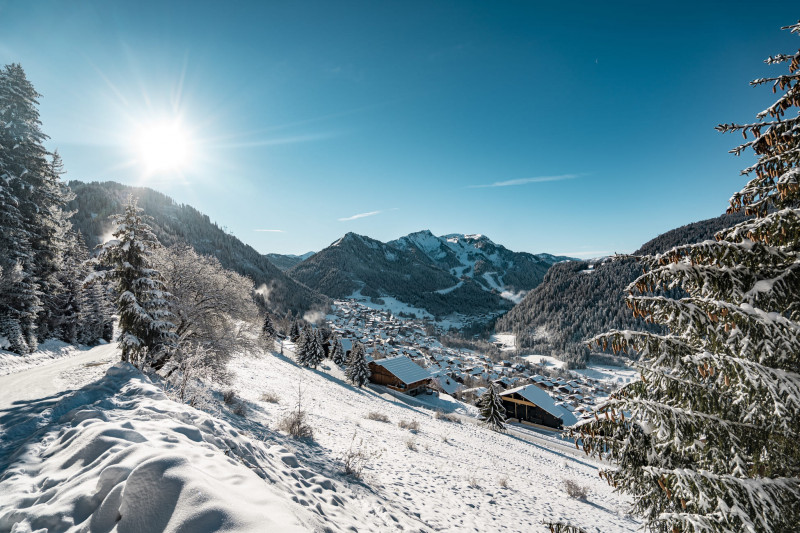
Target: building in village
{"type": "Point", "coordinates": [531, 404]}
{"type": "Point", "coordinates": [400, 374]}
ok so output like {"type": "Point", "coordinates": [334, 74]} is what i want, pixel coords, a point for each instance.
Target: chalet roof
{"type": "Point", "coordinates": [404, 369]}
{"type": "Point", "coordinates": [537, 396]}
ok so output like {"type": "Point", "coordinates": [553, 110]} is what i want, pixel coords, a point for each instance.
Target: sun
{"type": "Point", "coordinates": [163, 146]}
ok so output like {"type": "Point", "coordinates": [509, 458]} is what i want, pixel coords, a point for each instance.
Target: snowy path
{"type": "Point", "coordinates": [45, 380]}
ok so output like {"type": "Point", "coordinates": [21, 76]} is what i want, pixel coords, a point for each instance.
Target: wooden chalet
{"type": "Point", "coordinates": [532, 404]}
{"type": "Point", "coordinates": [401, 374]}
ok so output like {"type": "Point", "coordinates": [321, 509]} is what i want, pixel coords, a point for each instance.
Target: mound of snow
{"type": "Point", "coordinates": [119, 455]}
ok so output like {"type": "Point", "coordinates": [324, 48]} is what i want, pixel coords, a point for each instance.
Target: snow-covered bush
{"type": "Point", "coordinates": [574, 490]}
{"type": "Point", "coordinates": [378, 417]}
{"type": "Point", "coordinates": [411, 425]}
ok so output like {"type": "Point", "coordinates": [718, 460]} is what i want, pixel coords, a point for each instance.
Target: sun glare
{"type": "Point", "coordinates": [163, 147]}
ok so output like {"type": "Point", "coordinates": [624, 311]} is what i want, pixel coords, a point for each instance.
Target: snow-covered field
{"type": "Point", "coordinates": [508, 340]}
{"type": "Point", "coordinates": [106, 450]}
{"type": "Point", "coordinates": [545, 360]}
{"type": "Point", "coordinates": [452, 477]}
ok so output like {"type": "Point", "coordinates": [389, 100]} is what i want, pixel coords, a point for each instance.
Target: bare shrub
{"type": "Point", "coordinates": [473, 483]}
{"type": "Point", "coordinates": [240, 409]}
{"type": "Point", "coordinates": [411, 425]}
{"type": "Point", "coordinates": [503, 482]}
{"type": "Point", "coordinates": [439, 414]}
{"type": "Point", "coordinates": [357, 457]}
{"type": "Point", "coordinates": [452, 418]}
{"type": "Point", "coordinates": [294, 423]}
{"type": "Point", "coordinates": [411, 444]}
{"type": "Point", "coordinates": [270, 397]}
{"type": "Point", "coordinates": [444, 439]}
{"type": "Point", "coordinates": [579, 492]}
{"type": "Point", "coordinates": [228, 396]}
{"type": "Point", "coordinates": [379, 417]}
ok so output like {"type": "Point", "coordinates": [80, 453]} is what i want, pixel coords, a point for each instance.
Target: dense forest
{"type": "Point", "coordinates": [578, 299]}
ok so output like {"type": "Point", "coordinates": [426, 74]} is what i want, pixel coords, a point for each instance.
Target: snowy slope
{"type": "Point", "coordinates": [452, 479]}
{"type": "Point", "coordinates": [118, 455]}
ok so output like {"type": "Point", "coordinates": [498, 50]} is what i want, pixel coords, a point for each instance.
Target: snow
{"type": "Point", "coordinates": [118, 454]}
{"type": "Point", "coordinates": [546, 360]}
{"type": "Point", "coordinates": [48, 352]}
{"type": "Point", "coordinates": [434, 481]}
{"type": "Point", "coordinates": [508, 341]}
{"type": "Point", "coordinates": [100, 447]}
{"type": "Point", "coordinates": [448, 290]}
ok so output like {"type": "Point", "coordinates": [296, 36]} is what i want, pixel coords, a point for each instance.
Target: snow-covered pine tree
{"type": "Point", "coordinates": [709, 439]}
{"type": "Point", "coordinates": [268, 331]}
{"type": "Point", "coordinates": [301, 346]}
{"type": "Point", "coordinates": [294, 331]}
{"type": "Point", "coordinates": [316, 352]}
{"type": "Point", "coordinates": [491, 408]}
{"type": "Point", "coordinates": [146, 331]}
{"type": "Point", "coordinates": [23, 164]}
{"type": "Point", "coordinates": [337, 351]}
{"type": "Point", "coordinates": [357, 371]}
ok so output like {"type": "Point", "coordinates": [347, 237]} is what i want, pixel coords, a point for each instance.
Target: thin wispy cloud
{"type": "Point", "coordinates": [270, 230]}
{"type": "Point", "coordinates": [364, 215]}
{"type": "Point", "coordinates": [525, 181]}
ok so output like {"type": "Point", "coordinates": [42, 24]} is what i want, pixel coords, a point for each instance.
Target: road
{"type": "Point", "coordinates": [48, 379]}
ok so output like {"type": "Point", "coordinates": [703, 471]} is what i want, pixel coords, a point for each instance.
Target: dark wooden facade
{"type": "Point", "coordinates": [382, 376]}
{"type": "Point", "coordinates": [522, 409]}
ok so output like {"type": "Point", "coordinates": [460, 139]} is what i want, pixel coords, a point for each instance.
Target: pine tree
{"type": "Point", "coordinates": [337, 352]}
{"type": "Point", "coordinates": [23, 165]}
{"type": "Point", "coordinates": [294, 332]}
{"type": "Point", "coordinates": [707, 440]}
{"type": "Point", "coordinates": [357, 371]}
{"type": "Point", "coordinates": [316, 353]}
{"type": "Point", "coordinates": [492, 411]}
{"type": "Point", "coordinates": [146, 332]}
{"type": "Point", "coordinates": [268, 330]}
{"type": "Point", "coordinates": [301, 346]}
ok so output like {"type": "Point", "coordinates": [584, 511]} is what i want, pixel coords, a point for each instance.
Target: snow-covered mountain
{"type": "Point", "coordinates": [454, 273]}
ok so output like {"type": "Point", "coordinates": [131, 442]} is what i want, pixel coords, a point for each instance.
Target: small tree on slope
{"type": "Point", "coordinates": [268, 331]}
{"type": "Point", "coordinates": [707, 440]}
{"type": "Point", "coordinates": [492, 410]}
{"type": "Point", "coordinates": [146, 330]}
{"type": "Point", "coordinates": [357, 367]}
{"type": "Point", "coordinates": [316, 352]}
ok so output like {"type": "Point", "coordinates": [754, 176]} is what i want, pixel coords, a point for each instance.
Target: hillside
{"type": "Point", "coordinates": [103, 448]}
{"type": "Point", "coordinates": [580, 299]}
{"type": "Point", "coordinates": [468, 274]}
{"type": "Point", "coordinates": [173, 223]}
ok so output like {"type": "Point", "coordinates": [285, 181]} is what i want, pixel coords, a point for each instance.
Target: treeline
{"type": "Point", "coordinates": [578, 300]}
{"type": "Point", "coordinates": [43, 260]}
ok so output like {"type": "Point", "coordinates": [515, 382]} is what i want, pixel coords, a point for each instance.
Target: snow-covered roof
{"type": "Point", "coordinates": [537, 396]}
{"type": "Point", "coordinates": [404, 368]}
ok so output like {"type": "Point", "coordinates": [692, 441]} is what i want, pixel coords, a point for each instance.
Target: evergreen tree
{"type": "Point", "coordinates": [316, 353]}
{"type": "Point", "coordinates": [294, 332]}
{"type": "Point", "coordinates": [357, 371]}
{"type": "Point", "coordinates": [23, 165]}
{"type": "Point", "coordinates": [707, 440]}
{"type": "Point", "coordinates": [146, 332]}
{"type": "Point", "coordinates": [268, 330]}
{"type": "Point", "coordinates": [492, 411]}
{"type": "Point", "coordinates": [337, 352]}
{"type": "Point", "coordinates": [301, 346]}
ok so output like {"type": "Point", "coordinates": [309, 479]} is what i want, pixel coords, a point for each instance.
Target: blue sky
{"type": "Point", "coordinates": [580, 129]}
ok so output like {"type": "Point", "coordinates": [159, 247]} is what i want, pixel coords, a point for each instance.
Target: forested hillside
{"type": "Point", "coordinates": [579, 299]}
{"type": "Point", "coordinates": [174, 223]}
